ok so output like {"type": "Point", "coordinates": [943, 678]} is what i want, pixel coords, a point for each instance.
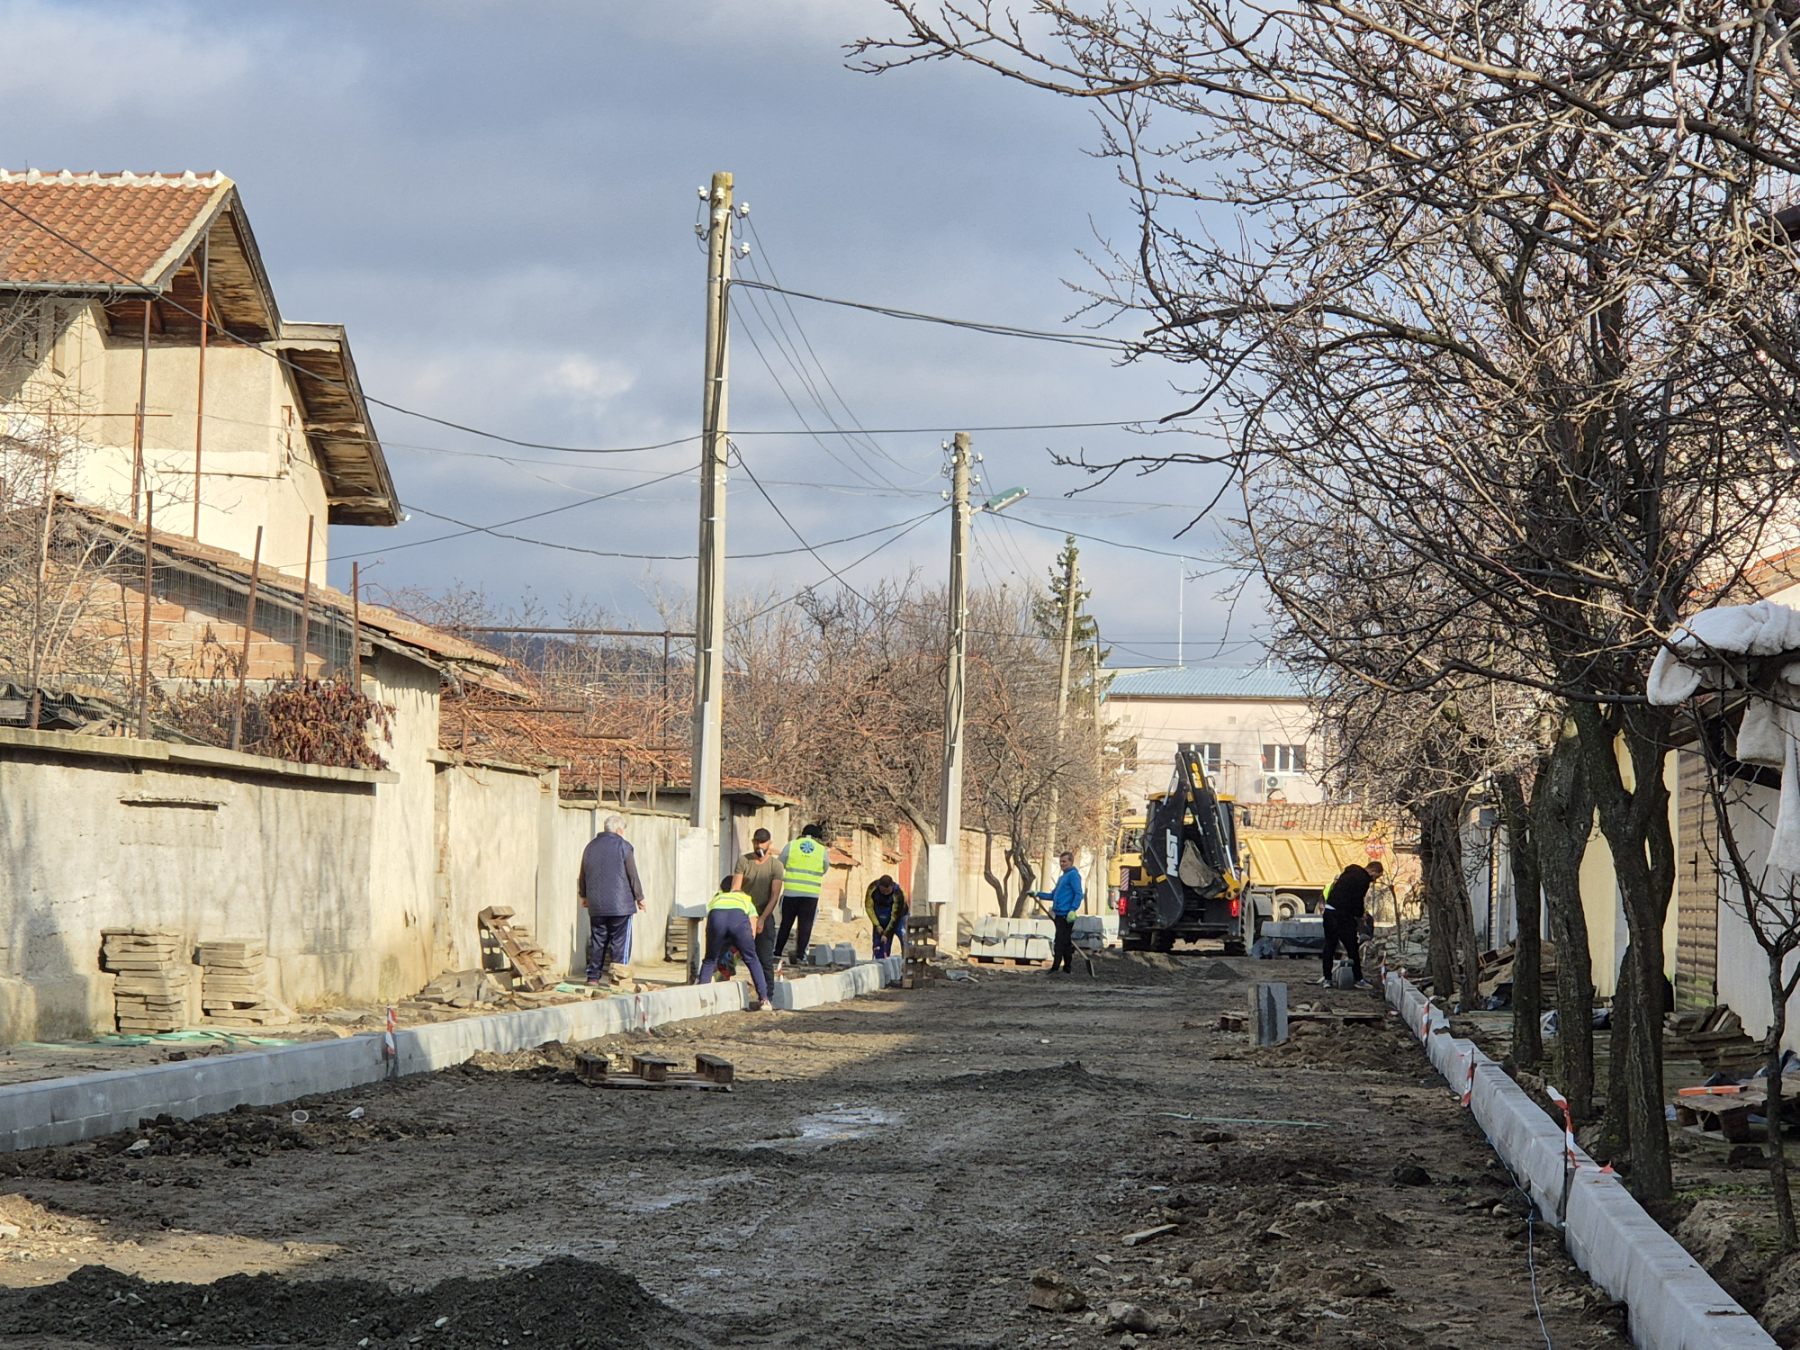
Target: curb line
{"type": "Point", "coordinates": [51, 1111]}
{"type": "Point", "coordinates": [1673, 1303]}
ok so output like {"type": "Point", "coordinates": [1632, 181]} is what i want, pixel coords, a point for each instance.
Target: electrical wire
{"type": "Point", "coordinates": [770, 609]}
{"type": "Point", "coordinates": [762, 253]}
{"type": "Point", "coordinates": [994, 329]}
{"type": "Point", "coordinates": [788, 345]}
{"type": "Point", "coordinates": [497, 533]}
{"type": "Point", "coordinates": [1220, 564]}
{"type": "Point", "coordinates": [792, 529]}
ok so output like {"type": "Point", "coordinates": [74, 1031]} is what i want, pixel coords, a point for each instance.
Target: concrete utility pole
{"type": "Point", "coordinates": [942, 861]}
{"type": "Point", "coordinates": [1051, 851]}
{"type": "Point", "coordinates": [709, 614]}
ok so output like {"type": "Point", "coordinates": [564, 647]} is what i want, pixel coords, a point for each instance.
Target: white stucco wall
{"type": "Point", "coordinates": [257, 465]}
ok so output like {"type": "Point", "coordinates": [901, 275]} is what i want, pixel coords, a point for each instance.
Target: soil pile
{"type": "Point", "coordinates": [563, 1302]}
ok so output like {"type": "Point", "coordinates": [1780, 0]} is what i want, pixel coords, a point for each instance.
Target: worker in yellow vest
{"type": "Point", "coordinates": [803, 865]}
{"type": "Point", "coordinates": [731, 921]}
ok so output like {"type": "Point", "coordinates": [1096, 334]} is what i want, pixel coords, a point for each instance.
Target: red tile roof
{"type": "Point", "coordinates": [136, 226]}
{"type": "Point", "coordinates": [384, 626]}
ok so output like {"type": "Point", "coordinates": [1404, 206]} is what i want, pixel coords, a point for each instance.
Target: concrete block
{"type": "Point", "coordinates": [843, 954]}
{"type": "Point", "coordinates": [818, 955]}
{"type": "Point", "coordinates": [1268, 1013]}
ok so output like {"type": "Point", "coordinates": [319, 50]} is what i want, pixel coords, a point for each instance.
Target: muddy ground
{"type": "Point", "coordinates": [890, 1172]}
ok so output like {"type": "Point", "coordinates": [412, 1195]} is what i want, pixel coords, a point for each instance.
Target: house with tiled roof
{"type": "Point", "coordinates": [173, 453]}
{"type": "Point", "coordinates": [142, 333]}
{"type": "Point", "coordinates": [1256, 723]}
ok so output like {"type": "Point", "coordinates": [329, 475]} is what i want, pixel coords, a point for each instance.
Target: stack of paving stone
{"type": "Point", "coordinates": [232, 992]}
{"type": "Point", "coordinates": [150, 993]}
{"type": "Point", "coordinates": [996, 939]}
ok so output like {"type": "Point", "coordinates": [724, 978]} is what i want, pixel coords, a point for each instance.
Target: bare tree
{"type": "Point", "coordinates": [1507, 285]}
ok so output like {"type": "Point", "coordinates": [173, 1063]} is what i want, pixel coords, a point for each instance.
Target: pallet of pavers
{"type": "Point", "coordinates": [150, 985]}
{"type": "Point", "coordinates": [711, 1074]}
{"type": "Point", "coordinates": [1005, 939]}
{"type": "Point", "coordinates": [233, 985]}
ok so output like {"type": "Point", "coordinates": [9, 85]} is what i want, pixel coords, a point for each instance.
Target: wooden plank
{"type": "Point", "coordinates": [680, 1081]}
{"type": "Point", "coordinates": [651, 1068]}
{"type": "Point", "coordinates": [715, 1068]}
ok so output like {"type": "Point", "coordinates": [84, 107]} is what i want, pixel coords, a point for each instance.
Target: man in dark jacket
{"type": "Point", "coordinates": [611, 893]}
{"type": "Point", "coordinates": [1344, 905]}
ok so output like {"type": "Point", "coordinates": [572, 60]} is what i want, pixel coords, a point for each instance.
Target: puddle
{"type": "Point", "coordinates": [634, 1201]}
{"type": "Point", "coordinates": [821, 1129]}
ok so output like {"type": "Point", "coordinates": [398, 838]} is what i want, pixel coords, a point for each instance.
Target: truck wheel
{"type": "Point", "coordinates": [1133, 942]}
{"type": "Point", "coordinates": [1162, 942]}
{"type": "Point", "coordinates": [1287, 905]}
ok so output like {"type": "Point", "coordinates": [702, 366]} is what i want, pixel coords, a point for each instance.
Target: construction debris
{"type": "Point", "coordinates": [150, 993]}
{"type": "Point", "coordinates": [1714, 1036]}
{"type": "Point", "coordinates": [462, 989]}
{"type": "Point", "coordinates": [233, 992]}
{"type": "Point", "coordinates": [506, 945]}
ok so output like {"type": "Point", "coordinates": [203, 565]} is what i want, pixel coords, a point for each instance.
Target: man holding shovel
{"type": "Point", "coordinates": [1065, 900]}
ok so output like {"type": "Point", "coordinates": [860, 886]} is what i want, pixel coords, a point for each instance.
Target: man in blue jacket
{"type": "Point", "coordinates": [611, 893]}
{"type": "Point", "coordinates": [1065, 900]}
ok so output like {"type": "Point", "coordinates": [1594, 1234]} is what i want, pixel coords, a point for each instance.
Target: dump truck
{"type": "Point", "coordinates": [1177, 873]}
{"type": "Point", "coordinates": [1293, 851]}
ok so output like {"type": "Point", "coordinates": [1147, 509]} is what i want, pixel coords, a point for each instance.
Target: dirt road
{"type": "Point", "coordinates": [890, 1172]}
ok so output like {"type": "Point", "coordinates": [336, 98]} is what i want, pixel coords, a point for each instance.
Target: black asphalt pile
{"type": "Point", "coordinates": [563, 1302]}
{"type": "Point", "coordinates": [1071, 1076]}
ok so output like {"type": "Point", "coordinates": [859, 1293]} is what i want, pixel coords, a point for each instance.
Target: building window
{"type": "Point", "coordinates": [1284, 759]}
{"type": "Point", "coordinates": [1212, 757]}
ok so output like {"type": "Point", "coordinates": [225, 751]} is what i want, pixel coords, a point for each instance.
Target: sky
{"type": "Point", "coordinates": [498, 198]}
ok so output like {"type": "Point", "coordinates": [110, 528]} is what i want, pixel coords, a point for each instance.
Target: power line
{"type": "Point", "coordinates": [1220, 564]}
{"type": "Point", "coordinates": [497, 533]}
{"type": "Point", "coordinates": [793, 530]}
{"type": "Point", "coordinates": [770, 609]}
{"type": "Point", "coordinates": [762, 254]}
{"type": "Point", "coordinates": [516, 520]}
{"type": "Point", "coordinates": [995, 329]}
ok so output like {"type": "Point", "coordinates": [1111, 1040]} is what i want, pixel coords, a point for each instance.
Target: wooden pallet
{"type": "Point", "coordinates": [526, 959]}
{"type": "Point", "coordinates": [711, 1073]}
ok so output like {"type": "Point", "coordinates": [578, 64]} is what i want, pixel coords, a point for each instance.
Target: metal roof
{"type": "Point", "coordinates": [1258, 682]}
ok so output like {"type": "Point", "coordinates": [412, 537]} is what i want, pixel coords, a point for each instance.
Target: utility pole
{"type": "Point", "coordinates": [709, 614]}
{"type": "Point", "coordinates": [942, 862]}
{"type": "Point", "coordinates": [1051, 850]}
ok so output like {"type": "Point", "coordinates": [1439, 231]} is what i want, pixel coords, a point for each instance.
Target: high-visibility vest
{"type": "Point", "coordinates": [732, 900]}
{"type": "Point", "coordinates": [805, 866]}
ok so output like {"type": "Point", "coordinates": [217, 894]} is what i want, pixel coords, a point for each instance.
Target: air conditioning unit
{"type": "Point", "coordinates": [1272, 783]}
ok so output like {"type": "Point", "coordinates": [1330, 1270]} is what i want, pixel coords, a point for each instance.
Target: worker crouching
{"type": "Point", "coordinates": [731, 923]}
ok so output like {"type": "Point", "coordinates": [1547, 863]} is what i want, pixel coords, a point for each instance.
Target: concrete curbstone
{"type": "Point", "coordinates": [47, 1112]}
{"type": "Point", "coordinates": [1674, 1304]}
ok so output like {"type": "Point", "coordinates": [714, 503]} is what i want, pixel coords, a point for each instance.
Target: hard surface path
{"type": "Point", "coordinates": [888, 1173]}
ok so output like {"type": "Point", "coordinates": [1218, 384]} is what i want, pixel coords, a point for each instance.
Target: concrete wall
{"type": "Point", "coordinates": [213, 844]}
{"type": "Point", "coordinates": [652, 834]}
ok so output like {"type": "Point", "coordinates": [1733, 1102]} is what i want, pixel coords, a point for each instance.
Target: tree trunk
{"type": "Point", "coordinates": [1521, 847]}
{"type": "Point", "coordinates": [1001, 899]}
{"type": "Point", "coordinates": [1614, 1143]}
{"type": "Point", "coordinates": [1562, 817]}
{"type": "Point", "coordinates": [1453, 958]}
{"type": "Point", "coordinates": [1776, 1151]}
{"type": "Point", "coordinates": [1635, 821]}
